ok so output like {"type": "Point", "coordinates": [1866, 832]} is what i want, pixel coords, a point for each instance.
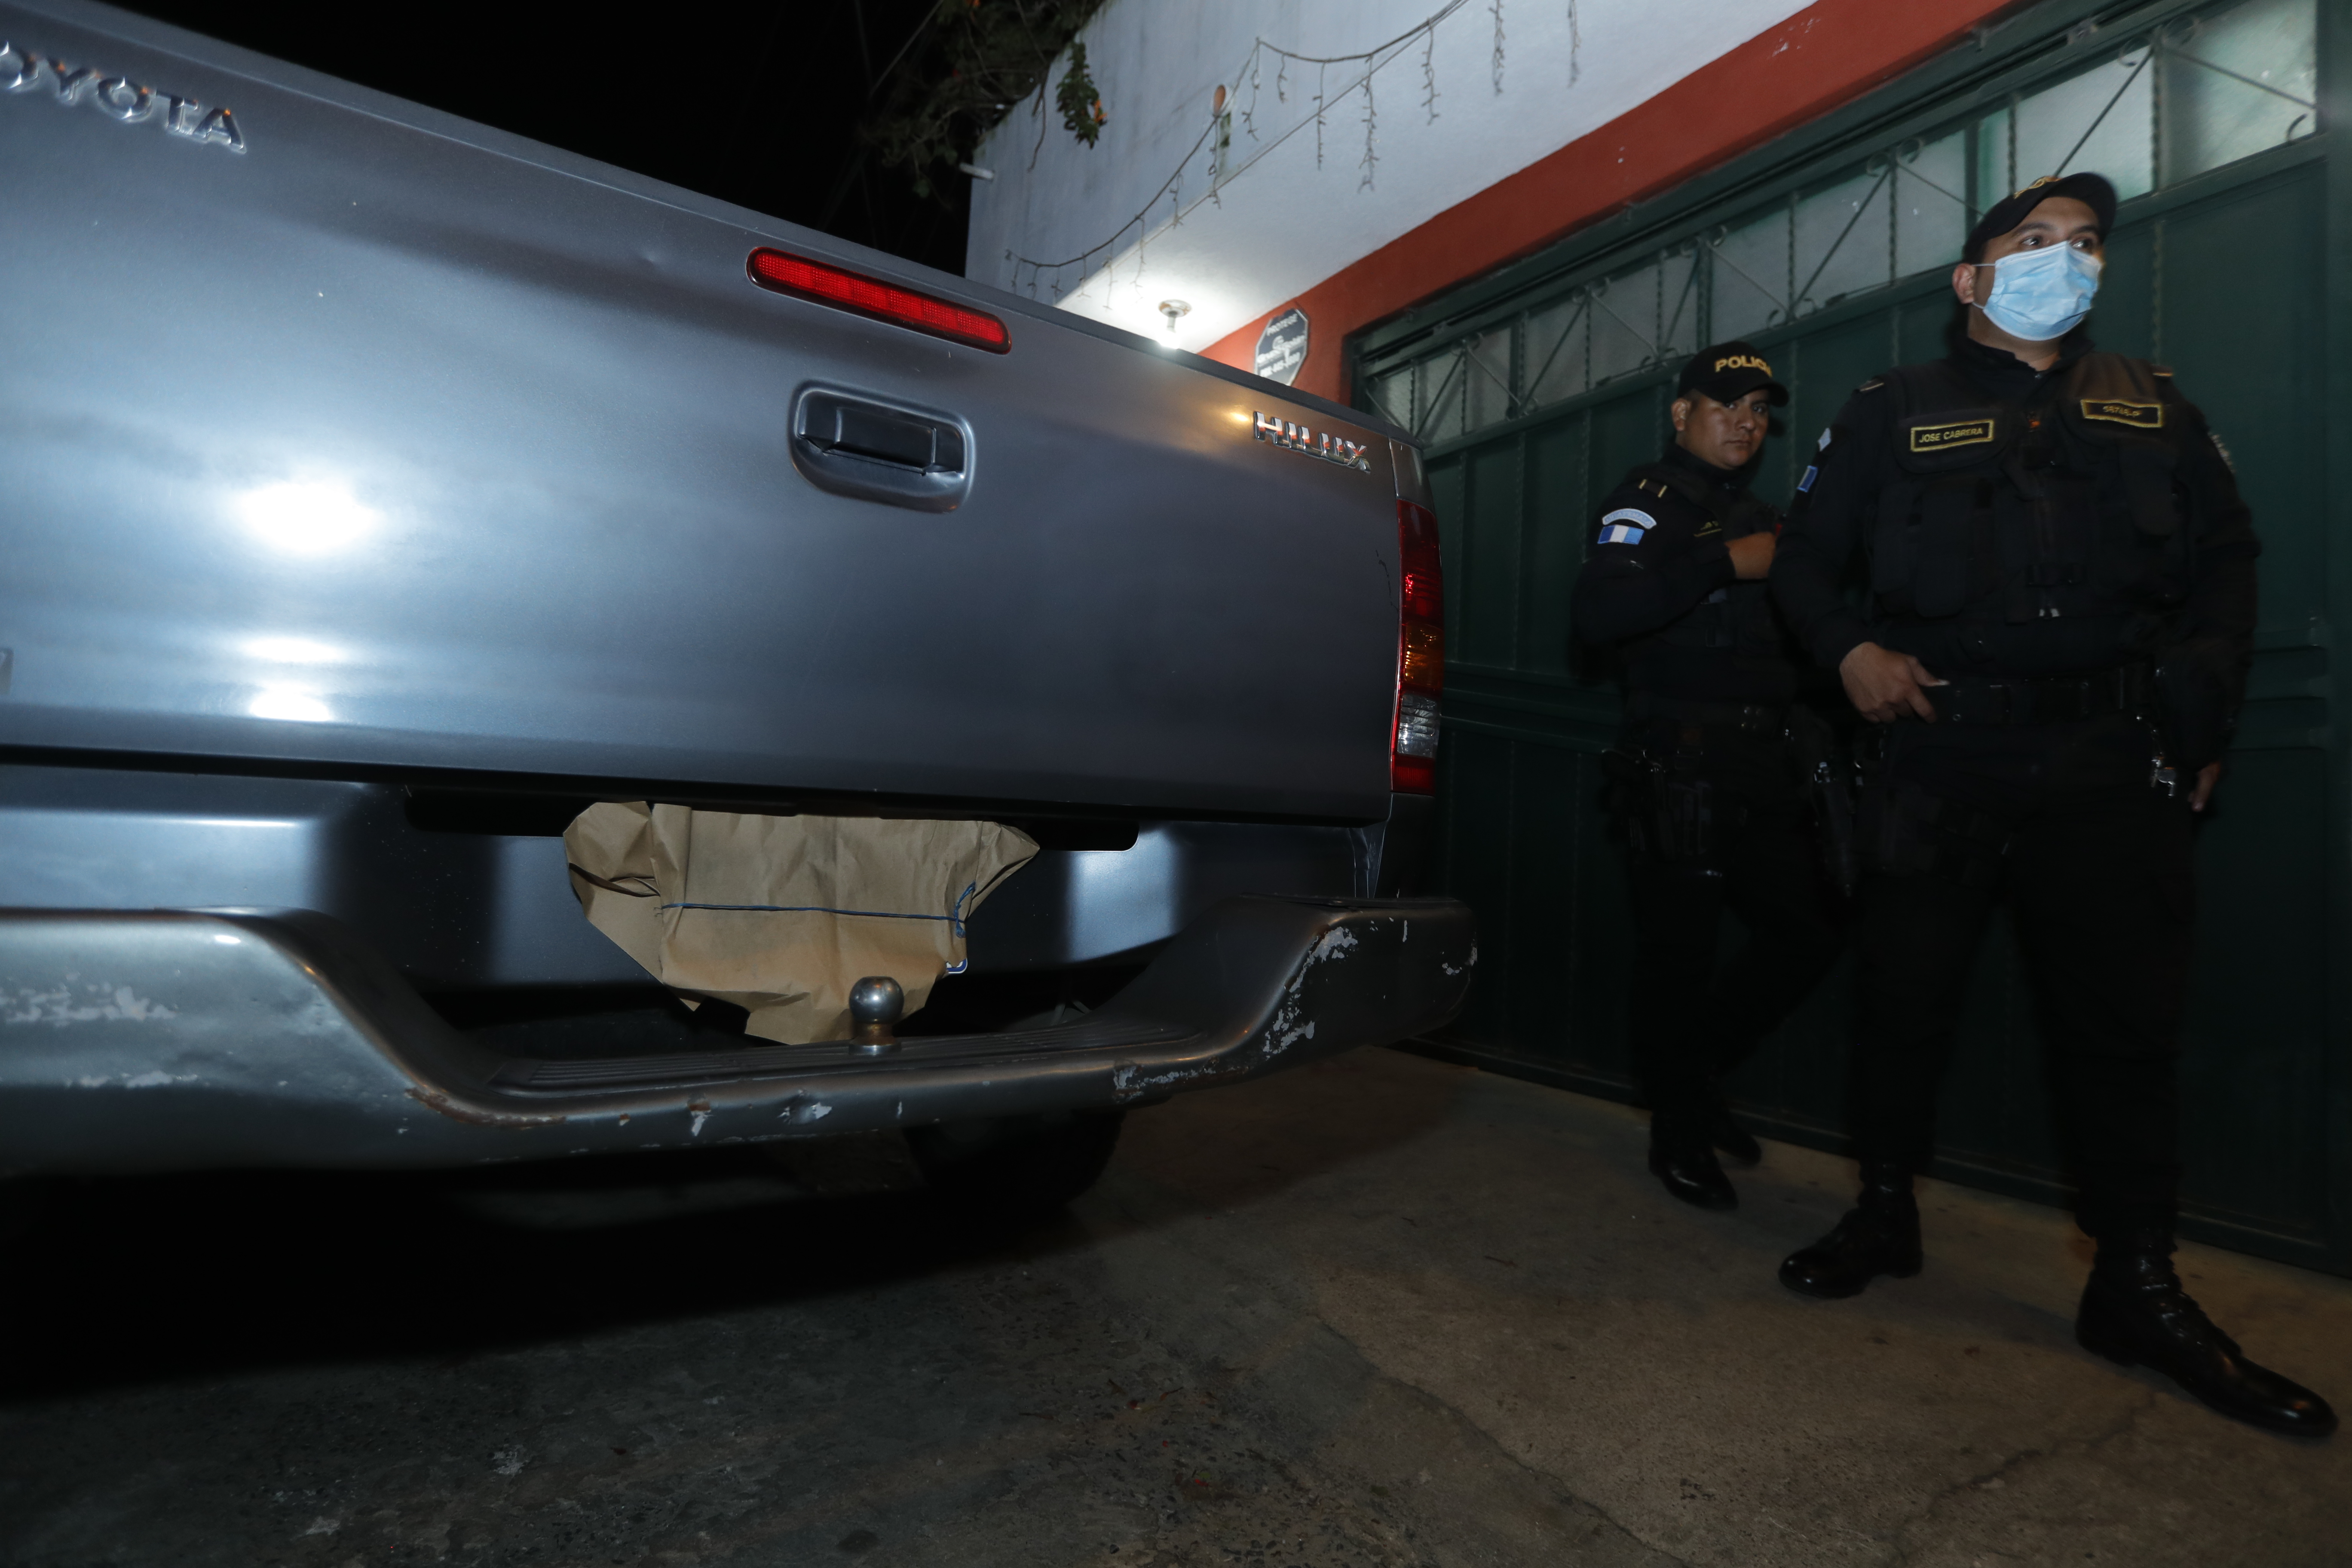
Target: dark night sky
{"type": "Point", "coordinates": [754, 103]}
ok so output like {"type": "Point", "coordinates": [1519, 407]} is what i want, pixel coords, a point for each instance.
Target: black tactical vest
{"type": "Point", "coordinates": [1718, 621]}
{"type": "Point", "coordinates": [2065, 505]}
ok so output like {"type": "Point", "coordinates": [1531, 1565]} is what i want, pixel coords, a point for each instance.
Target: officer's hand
{"type": "Point", "coordinates": [1751, 556]}
{"type": "Point", "coordinates": [1884, 686]}
{"type": "Point", "coordinates": [2206, 777]}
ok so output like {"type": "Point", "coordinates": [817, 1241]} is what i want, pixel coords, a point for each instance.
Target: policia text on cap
{"type": "Point", "coordinates": [1705, 786]}
{"type": "Point", "coordinates": [2056, 633]}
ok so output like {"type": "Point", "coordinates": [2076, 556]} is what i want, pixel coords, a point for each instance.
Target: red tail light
{"type": "Point", "coordinates": [1421, 655]}
{"type": "Point", "coordinates": [807, 279]}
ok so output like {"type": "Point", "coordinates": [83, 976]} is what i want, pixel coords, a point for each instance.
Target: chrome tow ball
{"type": "Point", "coordinates": [876, 1002]}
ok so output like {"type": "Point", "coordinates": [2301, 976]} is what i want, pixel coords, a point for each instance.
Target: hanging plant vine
{"type": "Point", "coordinates": [975, 60]}
{"type": "Point", "coordinates": [1080, 104]}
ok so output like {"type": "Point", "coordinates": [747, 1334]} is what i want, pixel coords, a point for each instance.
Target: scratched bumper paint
{"type": "Point", "coordinates": [178, 1040]}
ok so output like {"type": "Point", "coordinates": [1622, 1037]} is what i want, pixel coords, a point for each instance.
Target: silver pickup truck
{"type": "Point", "coordinates": [378, 491]}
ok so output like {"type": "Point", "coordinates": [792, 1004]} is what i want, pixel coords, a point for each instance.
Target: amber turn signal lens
{"type": "Point", "coordinates": [1422, 666]}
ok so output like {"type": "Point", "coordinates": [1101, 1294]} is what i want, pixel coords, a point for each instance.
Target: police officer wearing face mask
{"type": "Point", "coordinates": [1703, 785]}
{"type": "Point", "coordinates": [2056, 633]}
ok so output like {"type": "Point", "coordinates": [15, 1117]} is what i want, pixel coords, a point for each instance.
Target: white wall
{"type": "Point", "coordinates": [1275, 222]}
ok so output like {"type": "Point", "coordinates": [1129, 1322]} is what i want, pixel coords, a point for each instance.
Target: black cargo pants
{"type": "Point", "coordinates": [1690, 1021]}
{"type": "Point", "coordinates": [2096, 865]}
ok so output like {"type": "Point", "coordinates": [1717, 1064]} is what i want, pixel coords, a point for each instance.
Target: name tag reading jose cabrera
{"type": "Point", "coordinates": [1964, 433]}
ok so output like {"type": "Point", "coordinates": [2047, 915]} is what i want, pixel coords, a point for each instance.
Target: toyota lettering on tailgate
{"type": "Point", "coordinates": [116, 97]}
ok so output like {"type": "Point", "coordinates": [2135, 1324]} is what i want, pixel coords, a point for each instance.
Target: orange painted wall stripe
{"type": "Point", "coordinates": [1824, 56]}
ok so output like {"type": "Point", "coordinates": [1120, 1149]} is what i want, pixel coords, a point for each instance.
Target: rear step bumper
{"type": "Point", "coordinates": [162, 1040]}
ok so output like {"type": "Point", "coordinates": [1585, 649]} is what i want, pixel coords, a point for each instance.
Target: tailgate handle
{"type": "Point", "coordinates": [858, 446]}
{"type": "Point", "coordinates": [885, 435]}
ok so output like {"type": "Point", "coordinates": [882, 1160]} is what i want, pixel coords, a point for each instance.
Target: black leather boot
{"type": "Point", "coordinates": [1879, 1235]}
{"type": "Point", "coordinates": [2135, 1313]}
{"type": "Point", "coordinates": [1730, 1139]}
{"type": "Point", "coordinates": [1681, 1158]}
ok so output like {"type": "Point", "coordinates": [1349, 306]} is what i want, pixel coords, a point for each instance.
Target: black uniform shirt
{"type": "Point", "coordinates": [1838, 504]}
{"type": "Point", "coordinates": [1658, 579]}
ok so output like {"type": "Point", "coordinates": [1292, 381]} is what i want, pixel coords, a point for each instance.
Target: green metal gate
{"type": "Point", "coordinates": [1830, 249]}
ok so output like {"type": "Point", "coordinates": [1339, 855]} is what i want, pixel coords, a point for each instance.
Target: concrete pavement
{"type": "Point", "coordinates": [1381, 1310]}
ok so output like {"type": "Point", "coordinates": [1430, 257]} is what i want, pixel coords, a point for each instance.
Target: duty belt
{"type": "Point", "coordinates": [2040, 698]}
{"type": "Point", "coordinates": [1758, 717]}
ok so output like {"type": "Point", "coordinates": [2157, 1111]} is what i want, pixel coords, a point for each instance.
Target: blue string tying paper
{"type": "Point", "coordinates": [954, 917]}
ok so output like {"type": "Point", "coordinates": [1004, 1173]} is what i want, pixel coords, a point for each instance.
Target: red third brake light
{"type": "Point", "coordinates": [827, 285]}
{"type": "Point", "coordinates": [1420, 654]}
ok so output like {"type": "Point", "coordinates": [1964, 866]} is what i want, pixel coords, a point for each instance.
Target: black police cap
{"type": "Point", "coordinates": [2093, 190]}
{"type": "Point", "coordinates": [1728, 372]}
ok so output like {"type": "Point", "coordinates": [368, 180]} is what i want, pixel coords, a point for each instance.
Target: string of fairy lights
{"type": "Point", "coordinates": [1046, 277]}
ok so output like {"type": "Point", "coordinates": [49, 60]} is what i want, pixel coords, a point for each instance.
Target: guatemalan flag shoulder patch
{"type": "Point", "coordinates": [1627, 525]}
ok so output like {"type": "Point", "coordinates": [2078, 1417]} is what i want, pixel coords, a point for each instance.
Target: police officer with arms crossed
{"type": "Point", "coordinates": [1704, 780]}
{"type": "Point", "coordinates": [2058, 624]}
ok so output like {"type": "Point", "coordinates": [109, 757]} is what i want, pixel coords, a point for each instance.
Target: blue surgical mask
{"type": "Point", "coordinates": [2038, 294]}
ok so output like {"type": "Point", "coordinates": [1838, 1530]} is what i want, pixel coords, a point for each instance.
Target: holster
{"type": "Point", "coordinates": [1832, 787]}
{"type": "Point", "coordinates": [2192, 702]}
{"type": "Point", "coordinates": [1664, 814]}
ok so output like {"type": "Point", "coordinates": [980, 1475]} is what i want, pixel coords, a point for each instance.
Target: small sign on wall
{"type": "Point", "coordinates": [1282, 347]}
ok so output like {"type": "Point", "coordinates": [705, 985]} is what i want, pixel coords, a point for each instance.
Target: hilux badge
{"type": "Point", "coordinates": [1299, 439]}
{"type": "Point", "coordinates": [118, 97]}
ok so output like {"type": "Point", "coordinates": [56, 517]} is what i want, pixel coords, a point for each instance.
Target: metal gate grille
{"type": "Point", "coordinates": [2168, 102]}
